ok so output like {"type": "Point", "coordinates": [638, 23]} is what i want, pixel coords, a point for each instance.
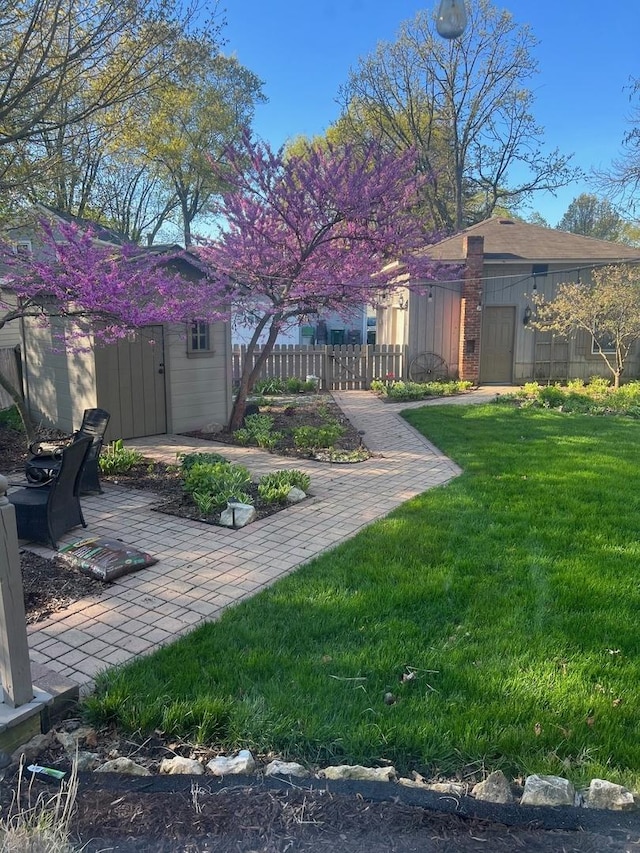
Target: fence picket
{"type": "Point", "coordinates": [343, 367]}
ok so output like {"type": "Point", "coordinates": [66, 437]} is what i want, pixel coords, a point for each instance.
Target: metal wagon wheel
{"type": "Point", "coordinates": [428, 367]}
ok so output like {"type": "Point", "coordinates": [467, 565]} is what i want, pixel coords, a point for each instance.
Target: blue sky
{"type": "Point", "coordinates": [303, 52]}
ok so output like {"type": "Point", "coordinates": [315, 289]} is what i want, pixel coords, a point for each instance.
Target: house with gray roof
{"type": "Point", "coordinates": [476, 325]}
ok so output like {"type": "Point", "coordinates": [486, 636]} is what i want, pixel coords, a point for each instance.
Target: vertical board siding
{"type": "Point", "coordinates": [9, 368]}
{"type": "Point", "coordinates": [339, 368]}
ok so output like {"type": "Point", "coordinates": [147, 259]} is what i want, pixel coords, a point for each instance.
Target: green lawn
{"type": "Point", "coordinates": [512, 595]}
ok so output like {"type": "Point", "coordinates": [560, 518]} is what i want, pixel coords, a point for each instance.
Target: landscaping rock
{"type": "Point", "coordinates": [359, 773]}
{"type": "Point", "coordinates": [548, 791]}
{"type": "Point", "coordinates": [32, 749]}
{"type": "Point", "coordinates": [240, 516]}
{"type": "Point", "coordinates": [224, 765]}
{"type": "Point", "coordinates": [178, 764]}
{"type": "Point", "coordinates": [295, 495]}
{"type": "Point", "coordinates": [608, 795]}
{"type": "Point", "coordinates": [412, 783]}
{"type": "Point", "coordinates": [450, 789]}
{"type": "Point", "coordinates": [494, 789]}
{"type": "Point", "coordinates": [286, 768]}
{"type": "Point", "coordinates": [86, 760]}
{"type": "Point", "coordinates": [123, 765]}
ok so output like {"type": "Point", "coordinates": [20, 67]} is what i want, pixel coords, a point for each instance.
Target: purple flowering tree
{"type": "Point", "coordinates": [103, 292]}
{"type": "Point", "coordinates": [324, 230]}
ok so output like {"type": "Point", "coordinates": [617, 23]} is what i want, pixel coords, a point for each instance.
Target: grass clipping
{"type": "Point", "coordinates": [41, 825]}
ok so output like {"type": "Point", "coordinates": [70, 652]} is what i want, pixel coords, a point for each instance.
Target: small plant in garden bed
{"type": "Point", "coordinates": [279, 418]}
{"type": "Point", "coordinates": [118, 459]}
{"type": "Point", "coordinates": [313, 438]}
{"type": "Point", "coordinates": [292, 385]}
{"type": "Point", "coordinates": [274, 488]}
{"type": "Point", "coordinates": [258, 429]}
{"type": "Point", "coordinates": [597, 397]}
{"type": "Point", "coordinates": [400, 391]}
{"type": "Point", "coordinates": [208, 482]}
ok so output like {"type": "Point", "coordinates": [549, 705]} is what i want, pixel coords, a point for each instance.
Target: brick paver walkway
{"type": "Point", "coordinates": [202, 569]}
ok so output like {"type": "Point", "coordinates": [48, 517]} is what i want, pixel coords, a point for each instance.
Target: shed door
{"type": "Point", "coordinates": [131, 385]}
{"type": "Point", "coordinates": [496, 347]}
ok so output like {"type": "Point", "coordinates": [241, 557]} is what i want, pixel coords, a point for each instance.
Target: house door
{"type": "Point", "coordinates": [131, 385]}
{"type": "Point", "coordinates": [496, 346]}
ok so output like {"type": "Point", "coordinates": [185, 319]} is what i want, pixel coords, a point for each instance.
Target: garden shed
{"type": "Point", "coordinates": [163, 379]}
{"type": "Point", "coordinates": [477, 324]}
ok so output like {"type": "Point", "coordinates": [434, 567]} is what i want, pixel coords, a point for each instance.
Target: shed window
{"type": "Point", "coordinates": [22, 247]}
{"type": "Point", "coordinates": [539, 269]}
{"type": "Point", "coordinates": [607, 344]}
{"type": "Point", "coordinates": [199, 339]}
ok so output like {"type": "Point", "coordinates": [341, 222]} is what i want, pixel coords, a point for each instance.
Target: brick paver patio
{"type": "Point", "coordinates": [202, 569]}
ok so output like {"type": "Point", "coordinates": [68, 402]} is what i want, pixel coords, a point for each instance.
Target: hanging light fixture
{"type": "Point", "coordinates": [451, 18]}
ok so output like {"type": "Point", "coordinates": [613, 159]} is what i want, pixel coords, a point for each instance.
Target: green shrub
{"type": "Point", "coordinates": [221, 481]}
{"type": "Point", "coordinates": [294, 385]}
{"type": "Point", "coordinates": [118, 459]}
{"type": "Point", "coordinates": [267, 441]}
{"type": "Point", "coordinates": [274, 487]}
{"type": "Point", "coordinates": [551, 397]}
{"type": "Point", "coordinates": [403, 391]}
{"type": "Point", "coordinates": [188, 460]}
{"type": "Point", "coordinates": [11, 419]}
{"type": "Point", "coordinates": [269, 387]}
{"type": "Point", "coordinates": [311, 438]}
{"type": "Point", "coordinates": [258, 430]}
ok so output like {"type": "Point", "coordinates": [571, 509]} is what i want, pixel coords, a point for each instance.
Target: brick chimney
{"type": "Point", "coordinates": [471, 310]}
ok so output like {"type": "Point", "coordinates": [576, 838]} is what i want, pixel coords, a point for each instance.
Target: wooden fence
{"type": "Point", "coordinates": [339, 368]}
{"type": "Point", "coordinates": [10, 368]}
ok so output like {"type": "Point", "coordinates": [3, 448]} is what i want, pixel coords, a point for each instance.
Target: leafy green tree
{"type": "Point", "coordinates": [592, 217]}
{"type": "Point", "coordinates": [187, 124]}
{"type": "Point", "coordinates": [465, 106]}
{"type": "Point", "coordinates": [608, 310]}
{"type": "Point", "coordinates": [63, 62]}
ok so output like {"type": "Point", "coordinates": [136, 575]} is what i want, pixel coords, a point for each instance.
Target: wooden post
{"type": "Point", "coordinates": [15, 669]}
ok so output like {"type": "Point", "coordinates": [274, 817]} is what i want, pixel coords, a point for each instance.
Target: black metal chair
{"type": "Point", "coordinates": [45, 461]}
{"type": "Point", "coordinates": [44, 511]}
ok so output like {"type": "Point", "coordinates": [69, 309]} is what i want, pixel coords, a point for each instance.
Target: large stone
{"type": "Point", "coordinates": [86, 760]}
{"type": "Point", "coordinates": [494, 789]}
{"type": "Point", "coordinates": [239, 516]}
{"type": "Point", "coordinates": [225, 765]}
{"type": "Point", "coordinates": [295, 495]}
{"type": "Point", "coordinates": [449, 789]}
{"type": "Point", "coordinates": [608, 795]}
{"type": "Point", "coordinates": [32, 749]}
{"type": "Point", "coordinates": [286, 768]}
{"type": "Point", "coordinates": [123, 765]}
{"type": "Point", "coordinates": [548, 791]}
{"type": "Point", "coordinates": [359, 773]}
{"type": "Point", "coordinates": [412, 783]}
{"type": "Point", "coordinates": [178, 764]}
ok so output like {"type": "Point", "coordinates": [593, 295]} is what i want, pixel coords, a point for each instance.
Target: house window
{"type": "Point", "coordinates": [539, 269]}
{"type": "Point", "coordinates": [199, 340]}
